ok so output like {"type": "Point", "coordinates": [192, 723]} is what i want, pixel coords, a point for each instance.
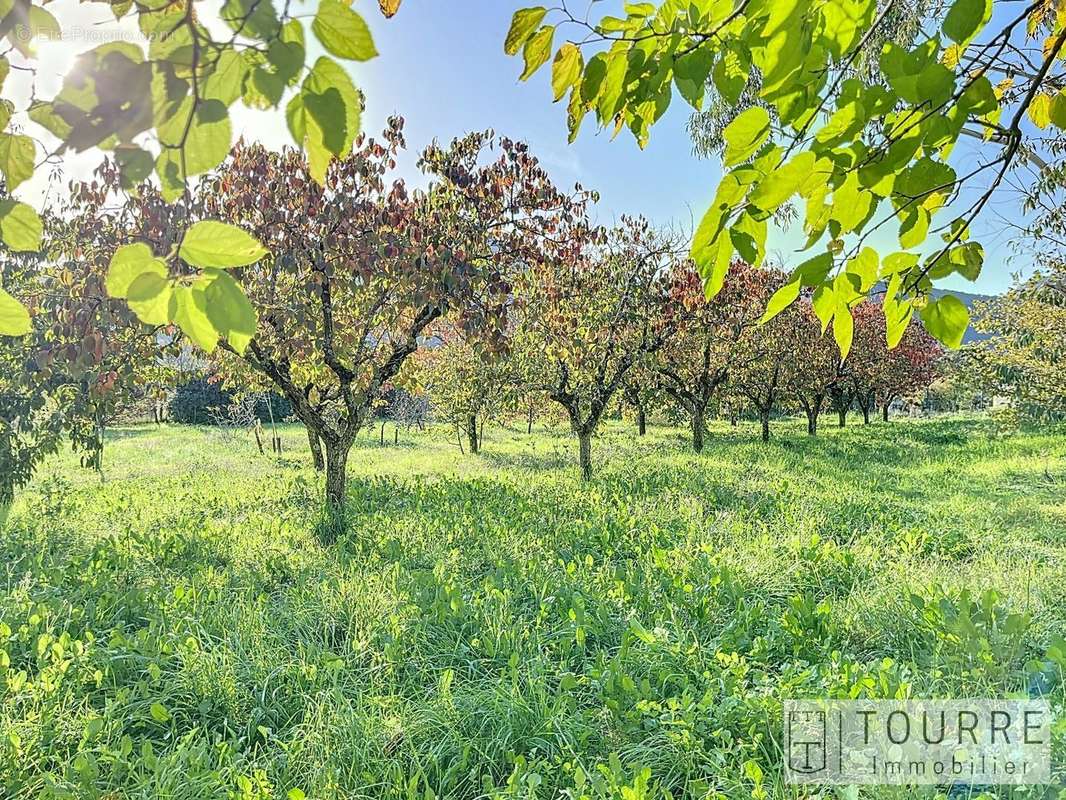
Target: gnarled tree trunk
{"type": "Point", "coordinates": [884, 411]}
{"type": "Point", "coordinates": [336, 475]}
{"type": "Point", "coordinates": [316, 450]}
{"type": "Point", "coordinates": [642, 421]}
{"type": "Point", "coordinates": [584, 454]}
{"type": "Point", "coordinates": [764, 417]}
{"type": "Point", "coordinates": [813, 411]}
{"type": "Point", "coordinates": [697, 415]}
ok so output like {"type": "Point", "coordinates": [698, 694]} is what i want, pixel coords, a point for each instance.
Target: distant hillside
{"type": "Point", "coordinates": [969, 299]}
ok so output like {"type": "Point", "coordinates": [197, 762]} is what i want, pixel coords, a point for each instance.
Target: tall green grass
{"type": "Point", "coordinates": [490, 626]}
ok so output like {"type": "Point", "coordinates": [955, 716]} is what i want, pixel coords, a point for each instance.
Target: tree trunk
{"type": "Point", "coordinates": [842, 417]}
{"type": "Point", "coordinates": [529, 421]}
{"type": "Point", "coordinates": [642, 421]}
{"type": "Point", "coordinates": [812, 421]}
{"type": "Point", "coordinates": [471, 433]}
{"type": "Point", "coordinates": [764, 416]}
{"type": "Point", "coordinates": [584, 444]}
{"type": "Point", "coordinates": [336, 488]}
{"type": "Point", "coordinates": [382, 436]}
{"type": "Point", "coordinates": [316, 450]}
{"type": "Point", "coordinates": [884, 412]}
{"type": "Point", "coordinates": [697, 419]}
{"type": "Point", "coordinates": [733, 421]}
{"type": "Point", "coordinates": [865, 414]}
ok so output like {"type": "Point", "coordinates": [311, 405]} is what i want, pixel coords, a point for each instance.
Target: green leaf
{"type": "Point", "coordinates": [843, 23]}
{"type": "Point", "coordinates": [864, 266]}
{"type": "Point", "coordinates": [897, 315]}
{"type": "Point", "coordinates": [914, 227]}
{"type": "Point", "coordinates": [813, 271]}
{"type": "Point", "coordinates": [537, 50]}
{"type": "Point", "coordinates": [135, 165]}
{"type": "Point", "coordinates": [159, 712]}
{"type": "Point", "coordinates": [229, 310]}
{"type": "Point", "coordinates": [255, 18]}
{"type": "Point", "coordinates": [730, 76]}
{"type": "Point", "coordinates": [782, 183]}
{"type": "Point", "coordinates": [343, 32]}
{"type": "Point", "coordinates": [611, 88]}
{"type": "Point", "coordinates": [225, 82]}
{"type": "Point", "coordinates": [14, 318]}
{"type": "Point", "coordinates": [198, 144]}
{"type": "Point", "coordinates": [897, 262]}
{"type": "Point", "coordinates": [966, 18]}
{"type": "Point", "coordinates": [17, 155]}
{"type": "Point", "coordinates": [947, 320]}
{"type": "Point", "coordinates": [843, 329]}
{"type": "Point", "coordinates": [523, 23]}
{"type": "Point", "coordinates": [748, 235]}
{"type": "Point", "coordinates": [1057, 112]}
{"type": "Point", "coordinates": [851, 204]}
{"type": "Point", "coordinates": [324, 117]}
{"type": "Point", "coordinates": [20, 227]}
{"type": "Point", "coordinates": [967, 260]}
{"type": "Point", "coordinates": [191, 314]}
{"type": "Point", "coordinates": [217, 244]}
{"type": "Point", "coordinates": [1040, 110]}
{"type": "Point", "coordinates": [640, 631]}
{"type": "Point", "coordinates": [780, 300]}
{"type": "Point", "coordinates": [127, 264]}
{"type": "Point", "coordinates": [149, 297]}
{"type": "Point", "coordinates": [566, 69]}
{"type": "Point", "coordinates": [690, 75]}
{"type": "Point", "coordinates": [824, 303]}
{"type": "Point", "coordinates": [745, 135]}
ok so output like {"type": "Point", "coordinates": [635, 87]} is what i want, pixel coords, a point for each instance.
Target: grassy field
{"type": "Point", "coordinates": [492, 627]}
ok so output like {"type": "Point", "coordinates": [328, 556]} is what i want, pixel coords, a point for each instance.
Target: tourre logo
{"type": "Point", "coordinates": [985, 742]}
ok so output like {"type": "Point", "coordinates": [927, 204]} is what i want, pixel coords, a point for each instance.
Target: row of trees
{"type": "Point", "coordinates": [495, 276]}
{"type": "Point", "coordinates": [631, 324]}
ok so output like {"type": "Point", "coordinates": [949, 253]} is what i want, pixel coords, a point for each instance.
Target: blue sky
{"type": "Point", "coordinates": [442, 67]}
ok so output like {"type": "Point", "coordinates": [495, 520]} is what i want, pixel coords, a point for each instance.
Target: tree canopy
{"type": "Point", "coordinates": [859, 146]}
{"type": "Point", "coordinates": [163, 108]}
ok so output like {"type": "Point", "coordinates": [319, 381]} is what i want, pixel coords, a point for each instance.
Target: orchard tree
{"type": "Point", "coordinates": [861, 122]}
{"type": "Point", "coordinates": [163, 107]}
{"type": "Point", "coordinates": [1022, 358]}
{"type": "Point", "coordinates": [879, 375]}
{"type": "Point", "coordinates": [911, 367]}
{"type": "Point", "coordinates": [697, 360]}
{"type": "Point", "coordinates": [868, 359]}
{"type": "Point", "coordinates": [841, 394]}
{"type": "Point", "coordinates": [466, 385]}
{"type": "Point", "coordinates": [354, 273]}
{"type": "Point", "coordinates": [84, 353]}
{"type": "Point", "coordinates": [641, 391]}
{"type": "Point", "coordinates": [765, 356]}
{"type": "Point", "coordinates": [815, 370]}
{"type": "Point", "coordinates": [593, 313]}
